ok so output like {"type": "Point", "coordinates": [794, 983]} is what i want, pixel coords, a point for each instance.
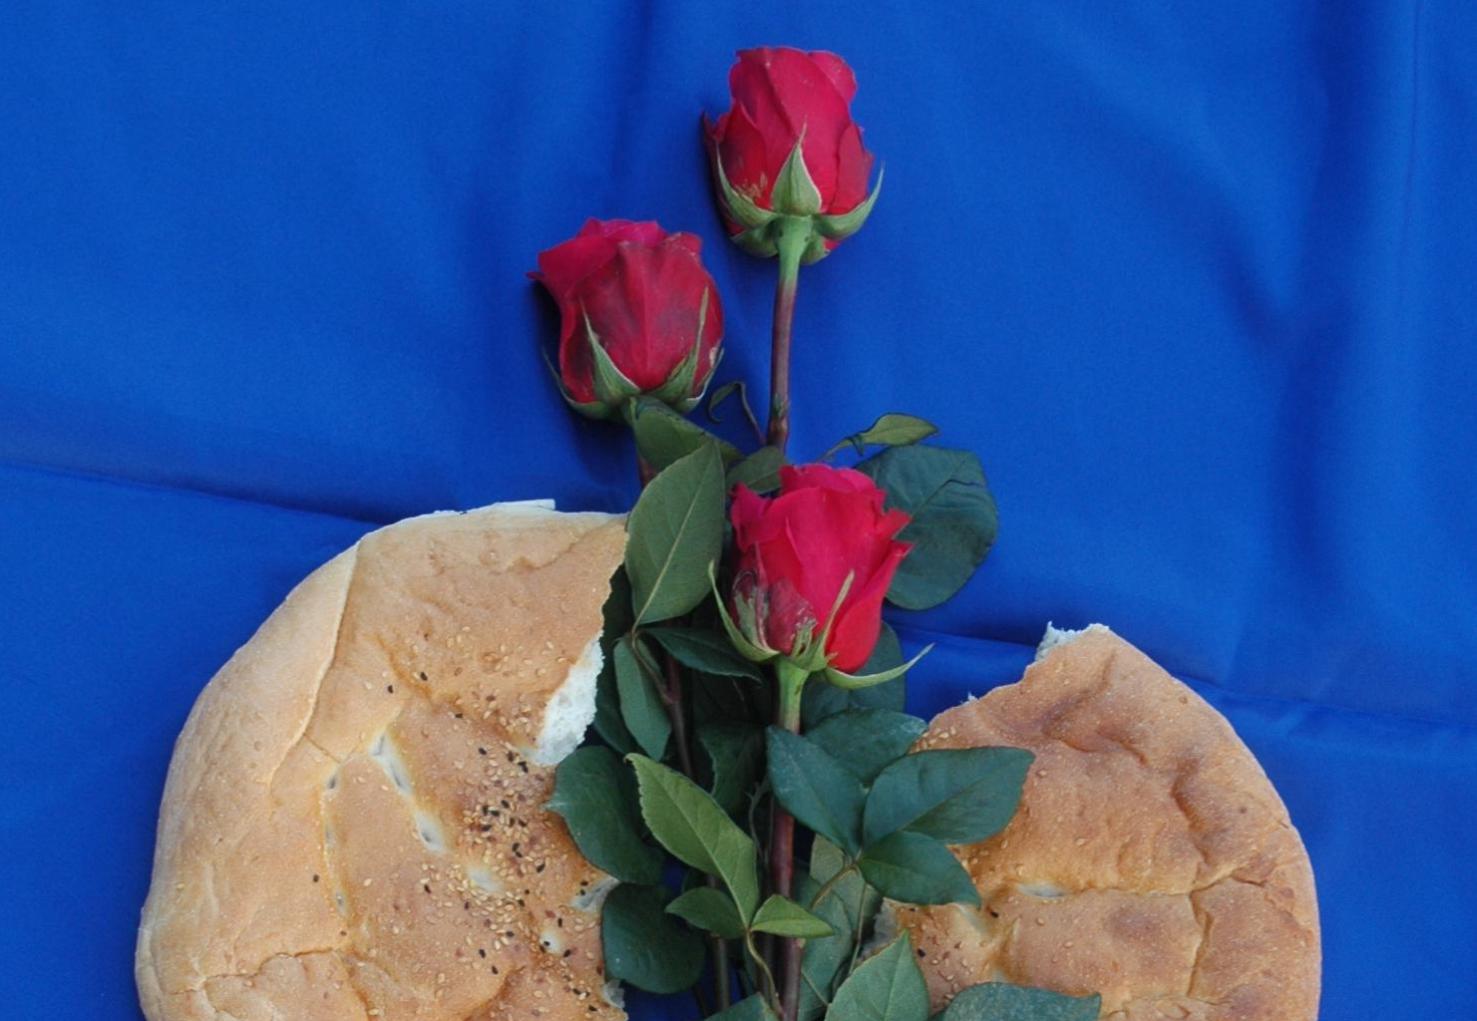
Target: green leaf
{"type": "Point", "coordinates": [850, 892]}
{"type": "Point", "coordinates": [645, 946]}
{"type": "Point", "coordinates": [664, 437]}
{"type": "Point", "coordinates": [642, 709]}
{"type": "Point", "coordinates": [752, 1009]}
{"type": "Point", "coordinates": [595, 793]}
{"type": "Point", "coordinates": [709, 909]}
{"type": "Point", "coordinates": [686, 820]}
{"type": "Point", "coordinates": [608, 722]}
{"type": "Point", "coordinates": [717, 699]}
{"type": "Point", "coordinates": [919, 870]}
{"type": "Point", "coordinates": [781, 916]}
{"type": "Point", "coordinates": [674, 535]}
{"type": "Point", "coordinates": [736, 753]}
{"type": "Point", "coordinates": [957, 795]}
{"type": "Point", "coordinates": [815, 788]}
{"type": "Point", "coordinates": [823, 700]}
{"type": "Point", "coordinates": [848, 909]}
{"type": "Point", "coordinates": [760, 471]}
{"type": "Point", "coordinates": [885, 987]}
{"type": "Point", "coordinates": [794, 190]}
{"type": "Point", "coordinates": [891, 430]}
{"type": "Point", "coordinates": [866, 740]}
{"type": "Point", "coordinates": [954, 519]}
{"type": "Point", "coordinates": [708, 651]}
{"type": "Point", "coordinates": [1000, 1001]}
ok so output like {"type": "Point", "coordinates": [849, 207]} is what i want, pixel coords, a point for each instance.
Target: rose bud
{"type": "Point", "coordinates": [788, 155]}
{"type": "Point", "coordinates": [813, 564]}
{"type": "Point", "coordinates": [638, 315]}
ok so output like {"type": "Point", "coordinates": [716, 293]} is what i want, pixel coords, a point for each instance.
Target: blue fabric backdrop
{"type": "Point", "coordinates": [1195, 280]}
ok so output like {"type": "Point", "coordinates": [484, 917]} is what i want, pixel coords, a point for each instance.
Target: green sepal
{"type": "Point", "coordinates": [843, 225]}
{"type": "Point", "coordinates": [747, 648]}
{"type": "Point", "coordinates": [852, 682]}
{"type": "Point", "coordinates": [808, 651]}
{"type": "Point", "coordinates": [794, 192]}
{"type": "Point", "coordinates": [590, 409]}
{"type": "Point", "coordinates": [678, 388]}
{"type": "Point", "coordinates": [741, 209]}
{"type": "Point", "coordinates": [757, 241]}
{"type": "Point", "coordinates": [612, 387]}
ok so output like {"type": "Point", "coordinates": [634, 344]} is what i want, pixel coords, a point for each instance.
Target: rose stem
{"type": "Point", "coordinates": [791, 680]}
{"type": "Point", "coordinates": [645, 470]}
{"type": "Point", "coordinates": [672, 699]}
{"type": "Point", "coordinates": [794, 234]}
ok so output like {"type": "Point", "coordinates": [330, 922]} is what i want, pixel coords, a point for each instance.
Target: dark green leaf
{"type": "Point", "coordinates": [642, 709]}
{"type": "Point", "coordinates": [866, 740]}
{"type": "Point", "coordinates": [708, 651]}
{"type": "Point", "coordinates": [752, 1009]}
{"type": "Point", "coordinates": [760, 471]}
{"type": "Point", "coordinates": [709, 909]}
{"type": "Point", "coordinates": [919, 870]}
{"type": "Point", "coordinates": [954, 519]}
{"type": "Point", "coordinates": [644, 945]}
{"type": "Point", "coordinates": [686, 820]}
{"type": "Point", "coordinates": [608, 722]}
{"type": "Point", "coordinates": [857, 900]}
{"type": "Point", "coordinates": [674, 534]}
{"type": "Point", "coordinates": [595, 793]}
{"type": "Point", "coordinates": [816, 789]}
{"type": "Point", "coordinates": [736, 754]}
{"type": "Point", "coordinates": [999, 1001]}
{"type": "Point", "coordinates": [663, 436]}
{"type": "Point", "coordinates": [891, 430]}
{"type": "Point", "coordinates": [957, 795]}
{"type": "Point", "coordinates": [885, 987]}
{"type": "Point", "coordinates": [848, 909]}
{"type": "Point", "coordinates": [823, 700]}
{"type": "Point", "coordinates": [723, 700]}
{"type": "Point", "coordinates": [783, 917]}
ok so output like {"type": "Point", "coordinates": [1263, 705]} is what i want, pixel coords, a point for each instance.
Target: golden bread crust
{"type": "Point", "coordinates": [1151, 859]}
{"type": "Point", "coordinates": [353, 824]}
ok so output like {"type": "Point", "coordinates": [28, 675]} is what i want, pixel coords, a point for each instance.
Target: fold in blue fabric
{"type": "Point", "coordinates": [1193, 279]}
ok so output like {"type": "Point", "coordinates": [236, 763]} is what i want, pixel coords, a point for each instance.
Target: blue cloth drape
{"type": "Point", "coordinates": [1194, 279]}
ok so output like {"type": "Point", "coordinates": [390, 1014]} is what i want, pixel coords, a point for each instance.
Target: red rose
{"type": "Point", "coordinates": [795, 552]}
{"type": "Point", "coordinates": [642, 292]}
{"type": "Point", "coordinates": [781, 96]}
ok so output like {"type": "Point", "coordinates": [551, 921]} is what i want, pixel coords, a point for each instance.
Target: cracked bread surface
{"type": "Point", "coordinates": [353, 824]}
{"type": "Point", "coordinates": [1151, 860]}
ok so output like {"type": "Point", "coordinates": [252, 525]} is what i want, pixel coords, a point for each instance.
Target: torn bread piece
{"type": "Point", "coordinates": [1151, 860]}
{"type": "Point", "coordinates": [354, 827]}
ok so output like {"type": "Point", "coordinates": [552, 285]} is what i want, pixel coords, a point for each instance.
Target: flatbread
{"type": "Point", "coordinates": [353, 825]}
{"type": "Point", "coordinates": [1151, 859]}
